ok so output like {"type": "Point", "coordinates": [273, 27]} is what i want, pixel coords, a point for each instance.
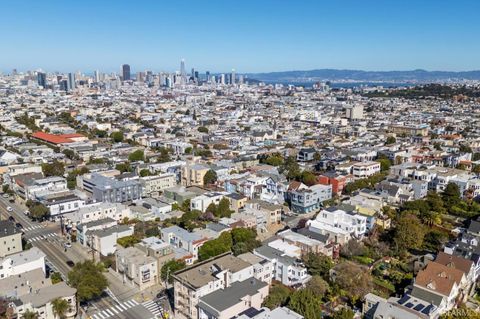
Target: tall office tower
{"type": "Point", "coordinates": [71, 81]}
{"type": "Point", "coordinates": [232, 77]}
{"type": "Point", "coordinates": [140, 77]}
{"type": "Point", "coordinates": [193, 73]}
{"type": "Point", "coordinates": [240, 79]}
{"type": "Point", "coordinates": [97, 76]}
{"type": "Point", "coordinates": [42, 79]}
{"type": "Point", "coordinates": [126, 72]}
{"type": "Point", "coordinates": [183, 74]}
{"type": "Point", "coordinates": [196, 76]}
{"type": "Point", "coordinates": [63, 85]}
{"type": "Point", "coordinates": [222, 78]}
{"type": "Point", "coordinates": [207, 76]}
{"type": "Point", "coordinates": [14, 72]}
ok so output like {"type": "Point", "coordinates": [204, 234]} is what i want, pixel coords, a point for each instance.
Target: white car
{"type": "Point", "coordinates": [68, 245]}
{"type": "Point", "coordinates": [27, 212]}
{"type": "Point", "coordinates": [9, 209]}
{"type": "Point", "coordinates": [6, 195]}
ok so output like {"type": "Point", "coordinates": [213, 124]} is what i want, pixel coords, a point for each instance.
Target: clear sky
{"type": "Point", "coordinates": [248, 35]}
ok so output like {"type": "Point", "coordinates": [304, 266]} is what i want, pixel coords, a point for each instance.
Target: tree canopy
{"type": "Point", "coordinates": [56, 168]}
{"type": "Point", "coordinates": [88, 278]}
{"type": "Point", "coordinates": [136, 156]}
{"type": "Point", "coordinates": [210, 177]}
{"type": "Point", "coordinates": [170, 267]}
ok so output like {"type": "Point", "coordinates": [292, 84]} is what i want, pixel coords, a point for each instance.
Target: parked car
{"type": "Point", "coordinates": [70, 263]}
{"type": "Point", "coordinates": [6, 195]}
{"type": "Point", "coordinates": [68, 245]}
{"type": "Point", "coordinates": [9, 209]}
{"type": "Point", "coordinates": [11, 218]}
{"type": "Point", "coordinates": [19, 226]}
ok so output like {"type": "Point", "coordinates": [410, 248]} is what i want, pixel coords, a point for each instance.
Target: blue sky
{"type": "Point", "coordinates": [248, 35]}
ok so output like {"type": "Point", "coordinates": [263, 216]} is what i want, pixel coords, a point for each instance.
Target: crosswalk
{"type": "Point", "coordinates": [111, 312]}
{"type": "Point", "coordinates": [153, 307]}
{"type": "Point", "coordinates": [33, 227]}
{"type": "Point", "coordinates": [41, 237]}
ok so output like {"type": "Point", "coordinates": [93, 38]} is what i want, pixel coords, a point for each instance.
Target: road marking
{"type": "Point", "coordinates": [130, 303]}
{"type": "Point", "coordinates": [109, 312]}
{"type": "Point", "coordinates": [123, 306]}
{"type": "Point", "coordinates": [134, 301]}
{"type": "Point", "coordinates": [114, 310]}
{"type": "Point", "coordinates": [118, 308]}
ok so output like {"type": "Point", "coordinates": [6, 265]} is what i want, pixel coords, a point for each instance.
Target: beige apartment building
{"type": "Point", "coordinates": [192, 175]}
{"type": "Point", "coordinates": [10, 238]}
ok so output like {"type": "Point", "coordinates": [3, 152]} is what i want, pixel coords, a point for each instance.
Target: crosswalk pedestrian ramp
{"type": "Point", "coordinates": [112, 311]}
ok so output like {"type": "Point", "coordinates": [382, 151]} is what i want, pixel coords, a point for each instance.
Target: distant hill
{"type": "Point", "coordinates": [358, 75]}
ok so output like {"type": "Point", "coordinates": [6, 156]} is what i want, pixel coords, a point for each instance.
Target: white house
{"type": "Point", "coordinates": [341, 225]}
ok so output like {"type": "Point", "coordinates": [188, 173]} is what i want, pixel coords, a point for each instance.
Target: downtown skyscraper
{"type": "Point", "coordinates": [126, 72]}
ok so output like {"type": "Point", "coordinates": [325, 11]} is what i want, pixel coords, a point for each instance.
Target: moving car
{"type": "Point", "coordinates": [9, 209]}
{"type": "Point", "coordinates": [19, 226]}
{"type": "Point", "coordinates": [68, 245]}
{"type": "Point", "coordinates": [11, 218]}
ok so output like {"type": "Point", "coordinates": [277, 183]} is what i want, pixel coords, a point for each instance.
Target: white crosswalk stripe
{"type": "Point", "coordinates": [153, 307]}
{"type": "Point", "coordinates": [42, 237]}
{"type": "Point", "coordinates": [112, 311]}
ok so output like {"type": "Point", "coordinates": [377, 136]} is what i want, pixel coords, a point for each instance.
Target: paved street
{"type": "Point", "coordinates": [47, 237]}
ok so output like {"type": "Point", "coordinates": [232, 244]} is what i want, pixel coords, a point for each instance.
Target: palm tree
{"type": "Point", "coordinates": [60, 308]}
{"type": "Point", "coordinates": [30, 315]}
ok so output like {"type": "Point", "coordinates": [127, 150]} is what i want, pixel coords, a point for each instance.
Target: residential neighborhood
{"type": "Point", "coordinates": [205, 200]}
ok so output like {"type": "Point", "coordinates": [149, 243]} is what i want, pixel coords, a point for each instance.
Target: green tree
{"type": "Point", "coordinates": [290, 168]}
{"type": "Point", "coordinates": [39, 211]}
{"type": "Point", "coordinates": [390, 140]}
{"type": "Point", "coordinates": [136, 156]}
{"type": "Point", "coordinates": [384, 164]}
{"type": "Point", "coordinates": [343, 313]}
{"type": "Point", "coordinates": [244, 240]}
{"type": "Point", "coordinates": [305, 303]}
{"type": "Point", "coordinates": [170, 267]}
{"type": "Point", "coordinates": [223, 208]}
{"type": "Point", "coordinates": [210, 177]}
{"type": "Point", "coordinates": [164, 155]}
{"type": "Point", "coordinates": [55, 168]}
{"type": "Point", "coordinates": [409, 232]}
{"type": "Point", "coordinates": [69, 154]}
{"type": "Point", "coordinates": [215, 247]}
{"type": "Point", "coordinates": [318, 264]}
{"type": "Point", "coordinates": [308, 178]}
{"type": "Point", "coordinates": [275, 159]}
{"type": "Point", "coordinates": [451, 196]}
{"type": "Point", "coordinates": [28, 314]}
{"type": "Point", "coordinates": [188, 150]}
{"type": "Point", "coordinates": [128, 241]}
{"type": "Point", "coordinates": [60, 308]}
{"type": "Point", "coordinates": [355, 280]}
{"type": "Point", "coordinates": [202, 129]}
{"type": "Point", "coordinates": [145, 172]}
{"type": "Point", "coordinates": [317, 285]}
{"type": "Point", "coordinates": [88, 278]}
{"type": "Point", "coordinates": [117, 137]}
{"type": "Point", "coordinates": [56, 277]}
{"type": "Point", "coordinates": [278, 296]}
{"type": "Point", "coordinates": [123, 167]}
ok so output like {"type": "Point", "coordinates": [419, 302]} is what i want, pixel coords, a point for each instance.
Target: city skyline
{"type": "Point", "coordinates": [253, 37]}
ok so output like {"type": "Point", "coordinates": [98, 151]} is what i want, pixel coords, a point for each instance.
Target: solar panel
{"type": "Point", "coordinates": [404, 299]}
{"type": "Point", "coordinates": [427, 309]}
{"type": "Point", "coordinates": [409, 305]}
{"type": "Point", "coordinates": [418, 307]}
